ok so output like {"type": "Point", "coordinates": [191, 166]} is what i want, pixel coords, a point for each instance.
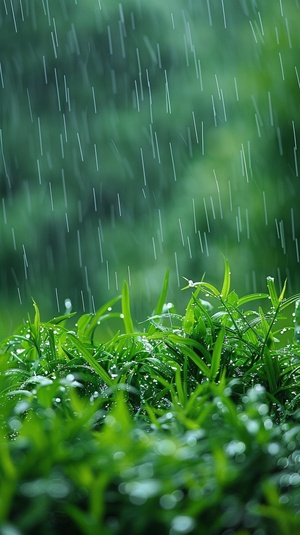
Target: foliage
{"type": "Point", "coordinates": [191, 423]}
{"type": "Point", "coordinates": [137, 135]}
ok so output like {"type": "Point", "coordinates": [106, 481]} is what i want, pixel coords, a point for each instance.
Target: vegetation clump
{"type": "Point", "coordinates": [187, 424]}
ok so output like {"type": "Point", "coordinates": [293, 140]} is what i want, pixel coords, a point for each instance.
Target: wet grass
{"type": "Point", "coordinates": [184, 423]}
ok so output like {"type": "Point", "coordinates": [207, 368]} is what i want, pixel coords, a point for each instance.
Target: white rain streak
{"type": "Point", "coordinates": [107, 275]}
{"type": "Point", "coordinates": [3, 159]}
{"type": "Point", "coordinates": [57, 300]}
{"type": "Point", "coordinates": [206, 244]}
{"type": "Point", "coordinates": [116, 281]}
{"type": "Point", "coordinates": [281, 9]}
{"type": "Point", "coordinates": [100, 243]}
{"type": "Point", "coordinates": [54, 45]}
{"type": "Point", "coordinates": [154, 248]}
{"type": "Point", "coordinates": [288, 33]}
{"type": "Point", "coordinates": [168, 101]}
{"type": "Point", "coordinates": [29, 104]}
{"type": "Point", "coordinates": [214, 110]}
{"type": "Point", "coordinates": [80, 147]}
{"type": "Point", "coordinates": [265, 208]}
{"type": "Point", "coordinates": [160, 226]}
{"type": "Point", "coordinates": [150, 97]}
{"type": "Point", "coordinates": [212, 207]}
{"type": "Point", "coordinates": [195, 127]}
{"type": "Point", "coordinates": [13, 14]}
{"type": "Point", "coordinates": [143, 166]}
{"type": "Point", "coordinates": [230, 195]}
{"type": "Point", "coordinates": [67, 222]}
{"type": "Point", "coordinates": [270, 109]}
{"type": "Point", "coordinates": [129, 275]}
{"type": "Point", "coordinates": [189, 247]}
{"type": "Point", "coordinates": [119, 205]}
{"type": "Point", "coordinates": [14, 238]}
{"type": "Point", "coordinates": [209, 12]}
{"type": "Point", "coordinates": [281, 65]}
{"type": "Point", "coordinates": [261, 24]}
{"type": "Point", "coordinates": [4, 211]}
{"type": "Point", "coordinates": [219, 194]}
{"type": "Point", "coordinates": [295, 149]}
{"type": "Point", "coordinates": [64, 187]}
{"type": "Point", "coordinates": [25, 261]}
{"type": "Point", "coordinates": [244, 163]}
{"type": "Point", "coordinates": [297, 76]}
{"type": "Point", "coordinates": [137, 100]}
{"type": "Point", "coordinates": [96, 157]}
{"type": "Point", "coordinates": [173, 163]}
{"type": "Point", "coordinates": [140, 74]}
{"type": "Point", "coordinates": [293, 224]}
{"type": "Point", "coordinates": [57, 90]}
{"type": "Point", "coordinates": [202, 138]}
{"type": "Point", "coordinates": [206, 215]}
{"type": "Point", "coordinates": [94, 100]}
{"type": "Point", "coordinates": [254, 35]}
{"type": "Point", "coordinates": [40, 135]}
{"type": "Point", "coordinates": [200, 241]}
{"type": "Point", "coordinates": [109, 40]}
{"type": "Point", "coordinates": [1, 76]}
{"type": "Point", "coordinates": [181, 231]}
{"type": "Point", "coordinates": [236, 89]}
{"type": "Point", "coordinates": [224, 16]}
{"type": "Point", "coordinates": [279, 139]}
{"type": "Point", "coordinates": [157, 147]}
{"type": "Point", "coordinates": [39, 171]}
{"type": "Point", "coordinates": [223, 105]}
{"type": "Point", "coordinates": [79, 248]}
{"type": "Point", "coordinates": [51, 197]}
{"type": "Point", "coordinates": [95, 200]}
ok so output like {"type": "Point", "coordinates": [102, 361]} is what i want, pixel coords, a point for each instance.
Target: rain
{"type": "Point", "coordinates": [139, 136]}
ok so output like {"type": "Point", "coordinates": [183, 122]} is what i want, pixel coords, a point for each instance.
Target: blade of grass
{"type": "Point", "coordinates": [216, 355]}
{"type": "Point", "coordinates": [129, 328]}
{"type": "Point", "coordinates": [226, 281]}
{"type": "Point", "coordinates": [85, 353]}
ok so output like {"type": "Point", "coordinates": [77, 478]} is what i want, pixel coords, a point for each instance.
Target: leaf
{"type": "Point", "coordinates": [272, 292]}
{"type": "Point", "coordinates": [216, 356]}
{"type": "Point", "coordinates": [251, 297]}
{"type": "Point", "coordinates": [226, 281]}
{"type": "Point", "coordinates": [129, 328]}
{"type": "Point", "coordinates": [90, 359]}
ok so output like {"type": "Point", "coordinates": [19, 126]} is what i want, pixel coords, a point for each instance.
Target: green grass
{"type": "Point", "coordinates": [184, 423]}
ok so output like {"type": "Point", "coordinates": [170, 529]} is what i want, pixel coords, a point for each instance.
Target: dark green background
{"type": "Point", "coordinates": [203, 95]}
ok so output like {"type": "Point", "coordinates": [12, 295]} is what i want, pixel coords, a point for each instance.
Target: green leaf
{"type": "Point", "coordinates": [226, 281]}
{"type": "Point", "coordinates": [90, 359]}
{"type": "Point", "coordinates": [129, 328]}
{"type": "Point", "coordinates": [272, 292]}
{"type": "Point", "coordinates": [251, 297]}
{"type": "Point", "coordinates": [216, 356]}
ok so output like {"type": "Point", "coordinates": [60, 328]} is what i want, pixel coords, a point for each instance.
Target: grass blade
{"type": "Point", "coordinates": [216, 356]}
{"type": "Point", "coordinates": [129, 328]}
{"type": "Point", "coordinates": [90, 359]}
{"type": "Point", "coordinates": [226, 281]}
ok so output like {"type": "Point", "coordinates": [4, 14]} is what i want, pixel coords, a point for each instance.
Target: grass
{"type": "Point", "coordinates": [184, 423]}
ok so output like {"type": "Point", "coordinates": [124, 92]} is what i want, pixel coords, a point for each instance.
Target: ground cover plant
{"type": "Point", "coordinates": [184, 423]}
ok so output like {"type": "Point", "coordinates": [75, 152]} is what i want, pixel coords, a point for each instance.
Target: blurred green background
{"type": "Point", "coordinates": [138, 136]}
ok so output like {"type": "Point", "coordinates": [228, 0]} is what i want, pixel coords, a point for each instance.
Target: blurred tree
{"type": "Point", "coordinates": [138, 136]}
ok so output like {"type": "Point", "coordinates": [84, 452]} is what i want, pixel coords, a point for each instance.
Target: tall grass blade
{"type": "Point", "coordinates": [216, 356]}
{"type": "Point", "coordinates": [90, 359]}
{"type": "Point", "coordinates": [129, 328]}
{"type": "Point", "coordinates": [272, 292]}
{"type": "Point", "coordinates": [226, 281]}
